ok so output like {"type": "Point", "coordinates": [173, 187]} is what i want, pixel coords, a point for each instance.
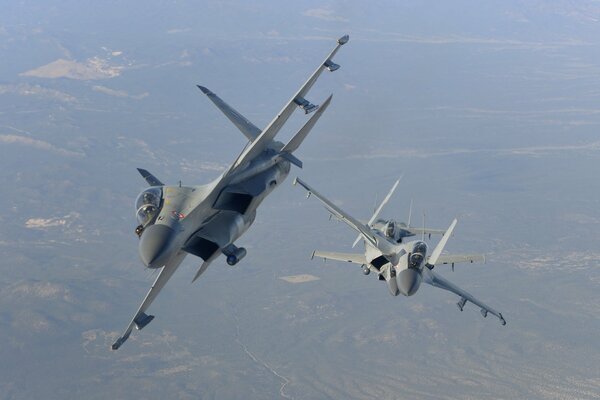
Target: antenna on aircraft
{"type": "Point", "coordinates": [375, 203]}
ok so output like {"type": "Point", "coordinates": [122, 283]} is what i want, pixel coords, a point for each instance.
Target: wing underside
{"type": "Point", "coordinates": [361, 228]}
{"type": "Point", "coordinates": [460, 258]}
{"type": "Point", "coordinates": [423, 231]}
{"type": "Point", "coordinates": [140, 319]}
{"type": "Point", "coordinates": [347, 257]}
{"type": "Point", "coordinates": [298, 100]}
{"type": "Point", "coordinates": [259, 141]}
{"type": "Point", "coordinates": [437, 281]}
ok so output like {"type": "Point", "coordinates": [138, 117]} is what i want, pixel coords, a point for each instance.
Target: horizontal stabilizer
{"type": "Point", "coordinates": [299, 137]}
{"type": "Point", "coordinates": [151, 179]}
{"type": "Point", "coordinates": [242, 123]}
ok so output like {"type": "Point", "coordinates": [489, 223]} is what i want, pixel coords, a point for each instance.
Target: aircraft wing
{"type": "Point", "coordinates": [140, 319]}
{"type": "Point", "coordinates": [348, 257]}
{"type": "Point", "coordinates": [437, 281]}
{"type": "Point", "coordinates": [425, 231]}
{"type": "Point", "coordinates": [298, 100]}
{"type": "Point", "coordinates": [460, 258]}
{"type": "Point", "coordinates": [361, 228]}
{"type": "Point", "coordinates": [242, 123]}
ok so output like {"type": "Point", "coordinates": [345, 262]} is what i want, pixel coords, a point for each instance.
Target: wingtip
{"type": "Point", "coordinates": [343, 40]}
{"type": "Point", "coordinates": [196, 277]}
{"type": "Point", "coordinates": [502, 320]}
{"type": "Point", "coordinates": [295, 181]}
{"type": "Point", "coordinates": [204, 89]}
{"type": "Point", "coordinates": [117, 344]}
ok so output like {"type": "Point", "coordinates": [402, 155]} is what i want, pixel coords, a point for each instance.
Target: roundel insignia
{"type": "Point", "coordinates": [177, 215]}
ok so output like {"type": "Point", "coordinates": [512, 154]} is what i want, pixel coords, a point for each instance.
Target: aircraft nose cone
{"type": "Point", "coordinates": [153, 245]}
{"type": "Point", "coordinates": [409, 281]}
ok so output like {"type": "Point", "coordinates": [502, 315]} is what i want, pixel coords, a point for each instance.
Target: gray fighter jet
{"type": "Point", "coordinates": [206, 220]}
{"type": "Point", "coordinates": [403, 265]}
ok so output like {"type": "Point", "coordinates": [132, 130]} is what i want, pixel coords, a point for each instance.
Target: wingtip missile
{"type": "Point", "coordinates": [116, 345]}
{"type": "Point", "coordinates": [120, 341]}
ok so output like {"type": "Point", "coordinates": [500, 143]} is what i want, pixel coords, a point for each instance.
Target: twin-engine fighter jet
{"type": "Point", "coordinates": [396, 230]}
{"type": "Point", "coordinates": [206, 220]}
{"type": "Point", "coordinates": [403, 265]}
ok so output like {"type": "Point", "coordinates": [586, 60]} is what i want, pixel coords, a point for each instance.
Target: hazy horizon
{"type": "Point", "coordinates": [490, 110]}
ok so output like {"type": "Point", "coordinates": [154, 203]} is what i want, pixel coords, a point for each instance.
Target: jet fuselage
{"type": "Point", "coordinates": [401, 265]}
{"type": "Point", "coordinates": [187, 209]}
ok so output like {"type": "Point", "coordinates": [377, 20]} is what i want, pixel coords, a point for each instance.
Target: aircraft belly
{"type": "Point", "coordinates": [262, 184]}
{"type": "Point", "coordinates": [245, 195]}
{"type": "Point", "coordinates": [225, 227]}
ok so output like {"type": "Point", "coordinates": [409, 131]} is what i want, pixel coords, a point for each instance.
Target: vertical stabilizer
{"type": "Point", "coordinates": [299, 137]}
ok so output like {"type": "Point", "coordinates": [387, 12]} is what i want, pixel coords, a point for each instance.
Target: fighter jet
{"type": "Point", "coordinates": [206, 220]}
{"type": "Point", "coordinates": [396, 230]}
{"type": "Point", "coordinates": [404, 265]}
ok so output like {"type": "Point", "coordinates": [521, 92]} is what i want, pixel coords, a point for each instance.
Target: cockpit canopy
{"type": "Point", "coordinates": [420, 247]}
{"type": "Point", "coordinates": [147, 205]}
{"type": "Point", "coordinates": [390, 228]}
{"type": "Point", "coordinates": [418, 254]}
